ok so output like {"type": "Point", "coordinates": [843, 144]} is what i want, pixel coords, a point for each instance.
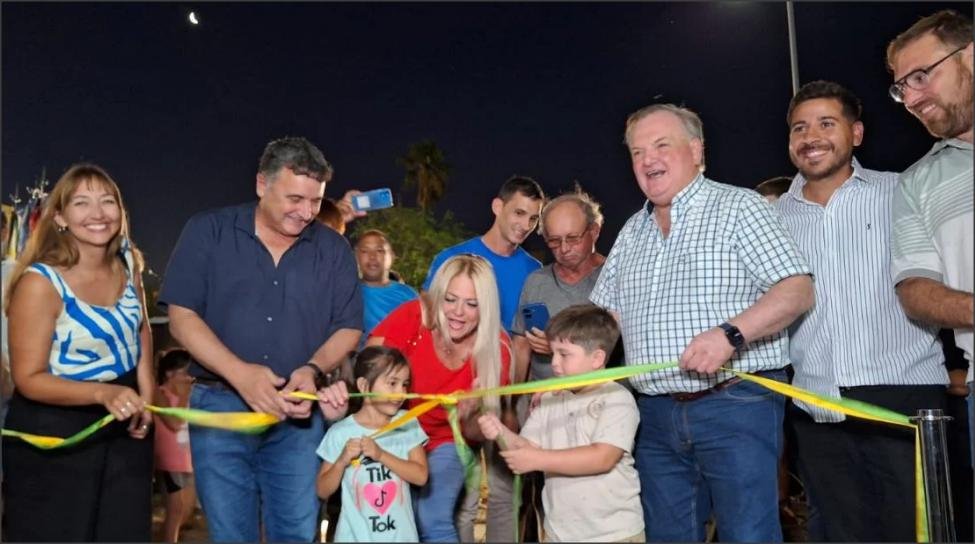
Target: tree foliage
{"type": "Point", "coordinates": [427, 172]}
{"type": "Point", "coordinates": [416, 236]}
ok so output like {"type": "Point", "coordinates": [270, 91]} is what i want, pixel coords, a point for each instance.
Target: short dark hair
{"type": "Point", "coordinates": [173, 359]}
{"type": "Point", "coordinates": [297, 154]}
{"type": "Point", "coordinates": [585, 325]}
{"type": "Point", "coordinates": [372, 232]}
{"type": "Point", "coordinates": [852, 108]}
{"type": "Point", "coordinates": [777, 186]}
{"type": "Point", "coordinates": [950, 27]}
{"type": "Point", "coordinates": [521, 184]}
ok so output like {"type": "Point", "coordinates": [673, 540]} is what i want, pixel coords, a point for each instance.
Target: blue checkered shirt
{"type": "Point", "coordinates": [725, 249]}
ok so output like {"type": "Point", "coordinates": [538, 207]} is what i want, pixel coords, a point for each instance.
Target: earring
{"type": "Point", "coordinates": [62, 228]}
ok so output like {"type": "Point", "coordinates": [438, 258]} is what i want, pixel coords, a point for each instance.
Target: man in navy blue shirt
{"type": "Point", "coordinates": [266, 300]}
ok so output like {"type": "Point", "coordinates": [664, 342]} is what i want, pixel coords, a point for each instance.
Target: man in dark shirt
{"type": "Point", "coordinates": [266, 300]}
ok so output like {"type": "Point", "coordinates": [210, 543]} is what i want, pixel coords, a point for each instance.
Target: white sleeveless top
{"type": "Point", "coordinates": [95, 343]}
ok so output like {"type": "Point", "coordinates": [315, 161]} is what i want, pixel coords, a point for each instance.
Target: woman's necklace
{"type": "Point", "coordinates": [453, 356]}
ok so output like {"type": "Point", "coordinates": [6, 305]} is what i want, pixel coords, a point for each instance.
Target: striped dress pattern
{"type": "Point", "coordinates": [94, 343]}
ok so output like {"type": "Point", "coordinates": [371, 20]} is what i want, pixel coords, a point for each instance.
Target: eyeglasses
{"type": "Point", "coordinates": [918, 79]}
{"type": "Point", "coordinates": [570, 240]}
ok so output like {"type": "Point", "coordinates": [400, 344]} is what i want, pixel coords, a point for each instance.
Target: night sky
{"type": "Point", "coordinates": [179, 114]}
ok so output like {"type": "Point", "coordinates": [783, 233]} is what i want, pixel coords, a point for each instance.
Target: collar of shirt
{"type": "Point", "coordinates": [246, 221]}
{"type": "Point", "coordinates": [949, 142]}
{"type": "Point", "coordinates": [798, 182]}
{"type": "Point", "coordinates": [681, 201]}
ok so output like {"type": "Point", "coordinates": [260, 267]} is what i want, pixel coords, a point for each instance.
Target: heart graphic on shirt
{"type": "Point", "coordinates": [380, 497]}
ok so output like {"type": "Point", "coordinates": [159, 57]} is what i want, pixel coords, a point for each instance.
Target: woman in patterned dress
{"type": "Point", "coordinates": [80, 344]}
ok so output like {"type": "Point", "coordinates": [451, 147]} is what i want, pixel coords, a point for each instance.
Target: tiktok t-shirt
{"type": "Point", "coordinates": [376, 504]}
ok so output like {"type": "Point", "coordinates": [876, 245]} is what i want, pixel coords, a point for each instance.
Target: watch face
{"type": "Point", "coordinates": [733, 335]}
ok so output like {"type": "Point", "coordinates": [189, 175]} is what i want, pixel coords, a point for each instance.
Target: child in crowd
{"type": "Point", "coordinates": [375, 474]}
{"type": "Point", "coordinates": [582, 439]}
{"type": "Point", "coordinates": [172, 442]}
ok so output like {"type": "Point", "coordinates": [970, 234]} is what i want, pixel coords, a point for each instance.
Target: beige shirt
{"type": "Point", "coordinates": [601, 507]}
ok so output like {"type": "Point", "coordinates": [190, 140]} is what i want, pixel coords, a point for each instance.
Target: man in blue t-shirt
{"type": "Point", "coordinates": [516, 211]}
{"type": "Point", "coordinates": [380, 295]}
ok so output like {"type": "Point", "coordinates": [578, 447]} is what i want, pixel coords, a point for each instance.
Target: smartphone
{"type": "Point", "coordinates": [376, 199]}
{"type": "Point", "coordinates": [535, 315]}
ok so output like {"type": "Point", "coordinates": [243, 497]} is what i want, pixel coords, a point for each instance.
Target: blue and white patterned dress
{"type": "Point", "coordinates": [100, 489]}
{"type": "Point", "coordinates": [94, 343]}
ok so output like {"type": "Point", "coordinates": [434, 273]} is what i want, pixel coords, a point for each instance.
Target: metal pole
{"type": "Point", "coordinates": [793, 53]}
{"type": "Point", "coordinates": [937, 480]}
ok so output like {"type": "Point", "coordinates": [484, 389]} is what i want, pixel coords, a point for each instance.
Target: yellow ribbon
{"type": "Point", "coordinates": [255, 422]}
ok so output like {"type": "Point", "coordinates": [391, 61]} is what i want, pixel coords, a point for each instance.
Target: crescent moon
{"type": "Point", "coordinates": [193, 19]}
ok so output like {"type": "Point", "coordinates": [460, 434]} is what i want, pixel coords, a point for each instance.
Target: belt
{"type": "Point", "coordinates": [688, 397]}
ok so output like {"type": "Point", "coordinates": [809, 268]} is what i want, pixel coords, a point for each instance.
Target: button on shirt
{"type": "Point", "coordinates": [725, 249]}
{"type": "Point", "coordinates": [856, 333]}
{"type": "Point", "coordinates": [273, 315]}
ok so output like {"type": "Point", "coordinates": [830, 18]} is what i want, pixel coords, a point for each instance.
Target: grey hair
{"type": "Point", "coordinates": [691, 122]}
{"type": "Point", "coordinates": [589, 207]}
{"type": "Point", "coordinates": [297, 154]}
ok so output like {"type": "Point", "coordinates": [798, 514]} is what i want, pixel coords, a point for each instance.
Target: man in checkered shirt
{"type": "Point", "coordinates": [704, 275]}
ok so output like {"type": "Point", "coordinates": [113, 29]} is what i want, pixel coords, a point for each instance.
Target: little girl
{"type": "Point", "coordinates": [376, 501]}
{"type": "Point", "coordinates": [172, 442]}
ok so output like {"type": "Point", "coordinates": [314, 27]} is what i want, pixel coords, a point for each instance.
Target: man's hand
{"type": "Point", "coordinates": [522, 460]}
{"type": "Point", "coordinates": [258, 384]}
{"type": "Point", "coordinates": [707, 352]}
{"type": "Point", "coordinates": [538, 341]}
{"type": "Point", "coordinates": [334, 401]}
{"type": "Point", "coordinates": [345, 206]}
{"type": "Point", "coordinates": [491, 426]}
{"type": "Point", "coordinates": [302, 379]}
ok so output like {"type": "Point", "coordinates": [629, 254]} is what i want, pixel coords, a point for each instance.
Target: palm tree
{"type": "Point", "coordinates": [426, 171]}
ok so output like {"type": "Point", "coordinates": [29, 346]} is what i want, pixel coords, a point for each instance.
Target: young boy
{"type": "Point", "coordinates": [582, 439]}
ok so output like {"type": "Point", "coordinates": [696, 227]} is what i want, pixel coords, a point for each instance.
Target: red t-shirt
{"type": "Point", "coordinates": [403, 329]}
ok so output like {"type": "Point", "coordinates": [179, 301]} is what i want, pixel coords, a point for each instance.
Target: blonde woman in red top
{"type": "Point", "coordinates": [453, 340]}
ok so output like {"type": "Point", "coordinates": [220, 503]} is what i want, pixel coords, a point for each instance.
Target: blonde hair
{"type": "Point", "coordinates": [47, 245]}
{"type": "Point", "coordinates": [486, 354]}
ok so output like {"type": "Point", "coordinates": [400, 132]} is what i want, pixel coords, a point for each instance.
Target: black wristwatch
{"type": "Point", "coordinates": [733, 335]}
{"type": "Point", "coordinates": [319, 374]}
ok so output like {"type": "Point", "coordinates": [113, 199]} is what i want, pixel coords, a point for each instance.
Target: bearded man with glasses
{"type": "Point", "coordinates": [932, 244]}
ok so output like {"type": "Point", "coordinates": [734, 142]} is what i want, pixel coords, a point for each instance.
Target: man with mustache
{"type": "Point", "coordinates": [932, 263]}
{"type": "Point", "coordinates": [266, 300]}
{"type": "Point", "coordinates": [516, 210]}
{"type": "Point", "coordinates": [856, 341]}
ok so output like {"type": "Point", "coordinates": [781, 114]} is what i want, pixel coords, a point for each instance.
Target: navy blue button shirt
{"type": "Point", "coordinates": [276, 316]}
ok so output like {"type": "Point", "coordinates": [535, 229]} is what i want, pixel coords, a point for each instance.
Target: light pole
{"type": "Point", "coordinates": [793, 54]}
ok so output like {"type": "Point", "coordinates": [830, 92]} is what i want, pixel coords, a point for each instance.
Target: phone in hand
{"type": "Point", "coordinates": [535, 315]}
{"type": "Point", "coordinates": [376, 199]}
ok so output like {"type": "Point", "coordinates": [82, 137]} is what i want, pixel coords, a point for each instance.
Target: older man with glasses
{"type": "Point", "coordinates": [570, 225]}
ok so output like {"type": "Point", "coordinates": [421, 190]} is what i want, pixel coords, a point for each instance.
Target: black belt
{"type": "Point", "coordinates": [688, 397]}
